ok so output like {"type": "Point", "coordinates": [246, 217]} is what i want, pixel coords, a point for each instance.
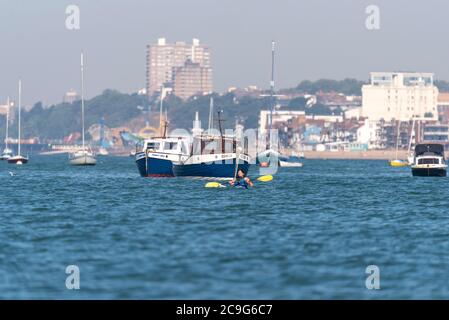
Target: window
{"type": "Point", "coordinates": [429, 161]}
{"type": "Point", "coordinates": [153, 145]}
{"type": "Point", "coordinates": [170, 145]}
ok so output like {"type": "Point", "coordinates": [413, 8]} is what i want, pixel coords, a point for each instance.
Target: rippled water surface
{"type": "Point", "coordinates": [310, 233]}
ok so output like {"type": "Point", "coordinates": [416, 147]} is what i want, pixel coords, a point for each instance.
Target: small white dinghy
{"type": "Point", "coordinates": [290, 164]}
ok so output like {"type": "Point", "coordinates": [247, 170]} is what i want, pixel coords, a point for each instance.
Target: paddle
{"type": "Point", "coordinates": [266, 178]}
{"type": "Point", "coordinates": [237, 157]}
{"type": "Point", "coordinates": [215, 184]}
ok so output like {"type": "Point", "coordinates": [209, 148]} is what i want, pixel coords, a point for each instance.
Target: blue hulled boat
{"type": "Point", "coordinates": [157, 154]}
{"type": "Point", "coordinates": [212, 157]}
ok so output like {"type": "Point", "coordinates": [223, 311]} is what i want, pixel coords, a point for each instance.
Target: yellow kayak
{"type": "Point", "coordinates": [398, 163]}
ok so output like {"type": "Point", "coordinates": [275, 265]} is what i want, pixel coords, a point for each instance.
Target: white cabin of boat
{"type": "Point", "coordinates": [429, 160]}
{"type": "Point", "coordinates": [209, 147]}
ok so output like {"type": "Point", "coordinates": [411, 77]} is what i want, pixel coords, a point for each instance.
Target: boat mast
{"type": "Point", "coordinates": [397, 139]}
{"type": "Point", "coordinates": [221, 131]}
{"type": "Point", "coordinates": [161, 126]}
{"type": "Point", "coordinates": [82, 98]}
{"type": "Point", "coordinates": [412, 134]}
{"type": "Point", "coordinates": [7, 124]}
{"type": "Point", "coordinates": [272, 102]}
{"type": "Point", "coordinates": [211, 116]}
{"type": "Point", "coordinates": [101, 132]}
{"type": "Point", "coordinates": [20, 107]}
{"type": "Point", "coordinates": [164, 134]}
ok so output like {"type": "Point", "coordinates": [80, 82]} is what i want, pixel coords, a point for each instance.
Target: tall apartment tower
{"type": "Point", "coordinates": [191, 79]}
{"type": "Point", "coordinates": [165, 59]}
{"type": "Point", "coordinates": [400, 96]}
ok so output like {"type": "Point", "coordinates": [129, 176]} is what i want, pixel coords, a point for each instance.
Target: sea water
{"type": "Point", "coordinates": [310, 233]}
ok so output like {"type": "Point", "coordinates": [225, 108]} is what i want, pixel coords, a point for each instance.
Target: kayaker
{"type": "Point", "coordinates": [241, 180]}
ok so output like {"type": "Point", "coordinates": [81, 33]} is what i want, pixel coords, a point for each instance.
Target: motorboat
{"type": "Point", "coordinates": [429, 161]}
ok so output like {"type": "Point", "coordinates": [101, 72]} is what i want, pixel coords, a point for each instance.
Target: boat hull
{"type": "Point", "coordinates": [290, 164]}
{"type": "Point", "coordinates": [18, 160]}
{"type": "Point", "coordinates": [153, 167]}
{"type": "Point", "coordinates": [6, 155]}
{"type": "Point", "coordinates": [398, 163]}
{"type": "Point", "coordinates": [429, 172]}
{"type": "Point", "coordinates": [84, 160]}
{"type": "Point", "coordinates": [222, 169]}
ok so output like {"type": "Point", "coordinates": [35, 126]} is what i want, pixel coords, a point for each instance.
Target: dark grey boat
{"type": "Point", "coordinates": [429, 160]}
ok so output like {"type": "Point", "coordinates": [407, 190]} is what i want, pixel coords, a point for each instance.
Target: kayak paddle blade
{"type": "Point", "coordinates": [266, 178]}
{"type": "Point", "coordinates": [213, 185]}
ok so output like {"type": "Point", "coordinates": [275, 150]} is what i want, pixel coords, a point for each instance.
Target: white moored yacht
{"type": "Point", "coordinates": [429, 160]}
{"type": "Point", "coordinates": [19, 159]}
{"type": "Point", "coordinates": [85, 156]}
{"type": "Point", "coordinates": [7, 152]}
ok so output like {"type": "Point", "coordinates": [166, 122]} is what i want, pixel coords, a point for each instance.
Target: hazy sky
{"type": "Point", "coordinates": [315, 39]}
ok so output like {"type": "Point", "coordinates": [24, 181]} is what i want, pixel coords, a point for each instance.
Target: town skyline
{"type": "Point", "coordinates": [115, 42]}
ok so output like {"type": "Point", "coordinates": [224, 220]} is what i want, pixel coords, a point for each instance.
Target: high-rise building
{"type": "Point", "coordinates": [191, 79]}
{"type": "Point", "coordinates": [400, 96]}
{"type": "Point", "coordinates": [164, 59]}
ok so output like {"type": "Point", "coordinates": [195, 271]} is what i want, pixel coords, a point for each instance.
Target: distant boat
{"type": "Point", "coordinates": [211, 155]}
{"type": "Point", "coordinates": [221, 164]}
{"type": "Point", "coordinates": [85, 156]}
{"type": "Point", "coordinates": [102, 151]}
{"type": "Point", "coordinates": [429, 161]}
{"type": "Point", "coordinates": [291, 161]}
{"type": "Point", "coordinates": [411, 156]}
{"type": "Point", "coordinates": [7, 152]}
{"type": "Point", "coordinates": [19, 159]}
{"type": "Point", "coordinates": [156, 157]}
{"type": "Point", "coordinates": [82, 158]}
{"type": "Point", "coordinates": [270, 157]}
{"type": "Point", "coordinates": [397, 162]}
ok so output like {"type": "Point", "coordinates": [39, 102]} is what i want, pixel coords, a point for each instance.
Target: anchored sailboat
{"type": "Point", "coordinates": [410, 153]}
{"type": "Point", "coordinates": [19, 159]}
{"type": "Point", "coordinates": [269, 156]}
{"type": "Point", "coordinates": [7, 152]}
{"type": "Point", "coordinates": [85, 156]}
{"type": "Point", "coordinates": [397, 162]}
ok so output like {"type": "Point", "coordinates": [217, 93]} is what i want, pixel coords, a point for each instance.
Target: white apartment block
{"type": "Point", "coordinates": [164, 58]}
{"type": "Point", "coordinates": [370, 133]}
{"type": "Point", "coordinates": [278, 116]}
{"type": "Point", "coordinates": [400, 96]}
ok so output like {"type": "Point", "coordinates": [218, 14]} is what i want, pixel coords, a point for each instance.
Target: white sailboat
{"type": "Point", "coordinates": [7, 152]}
{"type": "Point", "coordinates": [19, 159]}
{"type": "Point", "coordinates": [269, 156]}
{"type": "Point", "coordinates": [396, 162]}
{"type": "Point", "coordinates": [85, 156]}
{"type": "Point", "coordinates": [102, 152]}
{"type": "Point", "coordinates": [410, 153]}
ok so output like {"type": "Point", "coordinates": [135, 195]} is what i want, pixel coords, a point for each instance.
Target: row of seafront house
{"type": "Point", "coordinates": [392, 105]}
{"type": "Point", "coordinates": [380, 119]}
